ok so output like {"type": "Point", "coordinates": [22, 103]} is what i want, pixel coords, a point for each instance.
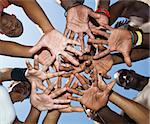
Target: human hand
{"type": "Point", "coordinates": [70, 108]}
{"type": "Point", "coordinates": [93, 98]}
{"type": "Point", "coordinates": [43, 101]}
{"type": "Point", "coordinates": [33, 74]}
{"type": "Point", "coordinates": [77, 21]}
{"type": "Point", "coordinates": [118, 40]}
{"type": "Point", "coordinates": [46, 59]}
{"type": "Point", "coordinates": [56, 43]}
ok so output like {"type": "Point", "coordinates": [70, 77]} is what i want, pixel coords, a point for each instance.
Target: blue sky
{"type": "Point", "coordinates": [31, 35]}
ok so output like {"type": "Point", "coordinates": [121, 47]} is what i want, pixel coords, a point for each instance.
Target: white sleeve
{"type": "Point", "coordinates": [7, 111]}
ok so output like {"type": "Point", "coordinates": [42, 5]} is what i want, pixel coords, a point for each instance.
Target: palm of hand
{"type": "Point", "coordinates": [103, 65]}
{"type": "Point", "coordinates": [77, 19]}
{"type": "Point", "coordinates": [120, 40]}
{"type": "Point", "coordinates": [55, 41]}
{"type": "Point", "coordinates": [94, 99]}
{"type": "Point", "coordinates": [41, 101]}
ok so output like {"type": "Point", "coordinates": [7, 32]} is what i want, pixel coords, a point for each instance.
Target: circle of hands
{"type": "Point", "coordinates": [66, 54]}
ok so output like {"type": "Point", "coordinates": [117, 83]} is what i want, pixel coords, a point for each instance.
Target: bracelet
{"type": "Point", "coordinates": [132, 35]}
{"type": "Point", "coordinates": [18, 74]}
{"type": "Point", "coordinates": [139, 42]}
{"type": "Point", "coordinates": [103, 11]}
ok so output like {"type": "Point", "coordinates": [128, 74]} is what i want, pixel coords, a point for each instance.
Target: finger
{"type": "Point", "coordinates": [75, 85]}
{"type": "Point", "coordinates": [81, 41]}
{"type": "Point", "coordinates": [41, 86]}
{"type": "Point", "coordinates": [59, 82]}
{"type": "Point", "coordinates": [81, 80]}
{"type": "Point", "coordinates": [106, 26]}
{"type": "Point", "coordinates": [72, 109]}
{"type": "Point", "coordinates": [70, 58]}
{"type": "Point", "coordinates": [94, 15]}
{"type": "Point", "coordinates": [29, 66]}
{"type": "Point", "coordinates": [85, 57]}
{"type": "Point", "coordinates": [74, 98]}
{"type": "Point", "coordinates": [74, 42]}
{"type": "Point", "coordinates": [56, 74]}
{"type": "Point", "coordinates": [109, 87]}
{"type": "Point", "coordinates": [102, 33]}
{"type": "Point", "coordinates": [60, 106]}
{"type": "Point", "coordinates": [97, 41]}
{"type": "Point", "coordinates": [73, 50]}
{"type": "Point", "coordinates": [68, 83]}
{"type": "Point", "coordinates": [102, 54]}
{"type": "Point", "coordinates": [36, 63]}
{"type": "Point", "coordinates": [61, 101]}
{"type": "Point", "coordinates": [66, 32]}
{"type": "Point", "coordinates": [50, 87]}
{"type": "Point", "coordinates": [52, 59]}
{"type": "Point", "coordinates": [36, 48]}
{"type": "Point", "coordinates": [89, 33]}
{"type": "Point", "coordinates": [75, 91]}
{"type": "Point", "coordinates": [127, 59]}
{"type": "Point", "coordinates": [33, 87]}
{"type": "Point", "coordinates": [58, 92]}
{"type": "Point", "coordinates": [72, 35]}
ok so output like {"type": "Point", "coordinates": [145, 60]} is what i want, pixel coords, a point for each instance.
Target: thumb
{"type": "Point", "coordinates": [127, 59]}
{"type": "Point", "coordinates": [109, 87]}
{"type": "Point", "coordinates": [94, 15]}
{"type": "Point", "coordinates": [33, 87]}
{"type": "Point", "coordinates": [35, 48]}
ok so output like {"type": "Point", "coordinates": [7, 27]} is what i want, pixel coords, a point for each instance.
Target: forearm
{"type": "Point", "coordinates": [14, 49]}
{"type": "Point", "coordinates": [136, 55]}
{"type": "Point", "coordinates": [33, 116]}
{"type": "Point", "coordinates": [134, 110]}
{"type": "Point", "coordinates": [52, 116]}
{"type": "Point", "coordinates": [109, 116]}
{"type": "Point", "coordinates": [35, 13]}
{"type": "Point", "coordinates": [5, 74]}
{"type": "Point", "coordinates": [104, 4]}
{"type": "Point", "coordinates": [116, 10]}
{"type": "Point", "coordinates": [67, 4]}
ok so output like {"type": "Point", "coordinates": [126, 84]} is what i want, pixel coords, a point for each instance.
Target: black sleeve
{"type": "Point", "coordinates": [67, 4]}
{"type": "Point", "coordinates": [18, 74]}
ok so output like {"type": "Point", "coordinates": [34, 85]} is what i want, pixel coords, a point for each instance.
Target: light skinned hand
{"type": "Point", "coordinates": [118, 40]}
{"type": "Point", "coordinates": [34, 74]}
{"type": "Point", "coordinates": [43, 101]}
{"type": "Point", "coordinates": [93, 98]}
{"type": "Point", "coordinates": [56, 43]}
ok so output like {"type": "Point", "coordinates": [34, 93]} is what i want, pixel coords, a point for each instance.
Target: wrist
{"type": "Point", "coordinates": [136, 38]}
{"type": "Point", "coordinates": [103, 11]}
{"type": "Point", "coordinates": [69, 4]}
{"type": "Point", "coordinates": [18, 74]}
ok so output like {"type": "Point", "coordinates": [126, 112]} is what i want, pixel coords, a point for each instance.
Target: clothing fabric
{"type": "Point", "coordinates": [7, 111]}
{"type": "Point", "coordinates": [144, 96]}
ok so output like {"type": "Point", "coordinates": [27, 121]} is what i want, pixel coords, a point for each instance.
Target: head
{"type": "Point", "coordinates": [19, 90]}
{"type": "Point", "coordinates": [127, 78]}
{"type": "Point", "coordinates": [10, 25]}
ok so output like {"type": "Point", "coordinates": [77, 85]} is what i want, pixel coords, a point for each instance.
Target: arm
{"type": "Point", "coordinates": [136, 55]}
{"type": "Point", "coordinates": [15, 49]}
{"type": "Point", "coordinates": [67, 4]}
{"type": "Point", "coordinates": [33, 116]}
{"type": "Point", "coordinates": [52, 116]}
{"type": "Point", "coordinates": [134, 110]}
{"type": "Point", "coordinates": [5, 74]}
{"type": "Point", "coordinates": [109, 116]}
{"type": "Point", "coordinates": [16, 74]}
{"type": "Point", "coordinates": [35, 13]}
{"type": "Point", "coordinates": [104, 4]}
